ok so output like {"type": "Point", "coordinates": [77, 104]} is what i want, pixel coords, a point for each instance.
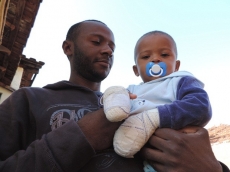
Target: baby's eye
{"type": "Point", "coordinates": [145, 57]}
{"type": "Point", "coordinates": [164, 54]}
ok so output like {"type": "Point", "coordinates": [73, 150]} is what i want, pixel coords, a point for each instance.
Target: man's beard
{"type": "Point", "coordinates": [84, 67]}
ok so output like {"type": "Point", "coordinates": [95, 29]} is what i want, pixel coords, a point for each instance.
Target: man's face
{"type": "Point", "coordinates": [93, 51]}
{"type": "Point", "coordinates": [155, 48]}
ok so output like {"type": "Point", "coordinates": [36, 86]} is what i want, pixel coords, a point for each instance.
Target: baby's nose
{"type": "Point", "coordinates": [155, 59]}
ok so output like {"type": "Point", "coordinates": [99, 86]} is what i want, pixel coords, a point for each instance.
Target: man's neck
{"type": "Point", "coordinates": [78, 80]}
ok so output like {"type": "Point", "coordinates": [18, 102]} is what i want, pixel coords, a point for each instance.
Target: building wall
{"type": "Point", "coordinates": [15, 85]}
{"type": "Point", "coordinates": [4, 94]}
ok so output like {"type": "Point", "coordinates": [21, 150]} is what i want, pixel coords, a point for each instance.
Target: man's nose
{"type": "Point", "coordinates": [107, 50]}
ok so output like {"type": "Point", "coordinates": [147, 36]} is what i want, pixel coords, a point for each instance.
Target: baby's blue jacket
{"type": "Point", "coordinates": [179, 98]}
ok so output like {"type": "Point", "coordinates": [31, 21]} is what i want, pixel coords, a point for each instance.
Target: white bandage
{"type": "Point", "coordinates": [132, 135]}
{"type": "Point", "coordinates": [116, 103]}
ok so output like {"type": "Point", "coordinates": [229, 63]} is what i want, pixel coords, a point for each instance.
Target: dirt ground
{"type": "Point", "coordinates": [219, 134]}
{"type": "Point", "coordinates": [220, 141]}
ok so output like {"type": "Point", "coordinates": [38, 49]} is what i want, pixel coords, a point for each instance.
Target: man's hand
{"type": "Point", "coordinates": [98, 130]}
{"type": "Point", "coordinates": [185, 150]}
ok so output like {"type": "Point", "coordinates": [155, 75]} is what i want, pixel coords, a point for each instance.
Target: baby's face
{"type": "Point", "coordinates": [155, 48]}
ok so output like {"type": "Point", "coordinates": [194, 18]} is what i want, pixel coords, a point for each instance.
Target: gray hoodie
{"type": "Point", "coordinates": [38, 132]}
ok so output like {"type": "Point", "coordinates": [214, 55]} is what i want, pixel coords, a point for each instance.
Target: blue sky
{"type": "Point", "coordinates": [201, 30]}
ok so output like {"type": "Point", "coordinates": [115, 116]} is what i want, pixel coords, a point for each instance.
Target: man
{"type": "Point", "coordinates": [62, 127]}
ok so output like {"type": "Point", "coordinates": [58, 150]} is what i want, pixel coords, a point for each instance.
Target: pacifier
{"type": "Point", "coordinates": [156, 69]}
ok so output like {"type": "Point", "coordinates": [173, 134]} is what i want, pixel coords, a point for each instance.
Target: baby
{"type": "Point", "coordinates": [167, 98]}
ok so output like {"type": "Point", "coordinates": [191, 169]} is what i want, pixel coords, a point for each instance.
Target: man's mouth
{"type": "Point", "coordinates": [103, 62]}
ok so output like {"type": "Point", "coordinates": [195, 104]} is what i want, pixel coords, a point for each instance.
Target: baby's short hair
{"type": "Point", "coordinates": [155, 32]}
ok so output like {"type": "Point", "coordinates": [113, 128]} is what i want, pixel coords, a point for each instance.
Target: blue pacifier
{"type": "Point", "coordinates": [156, 69]}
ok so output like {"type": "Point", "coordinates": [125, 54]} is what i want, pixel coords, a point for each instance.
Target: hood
{"type": "Point", "coordinates": [64, 85]}
{"type": "Point", "coordinates": [174, 74]}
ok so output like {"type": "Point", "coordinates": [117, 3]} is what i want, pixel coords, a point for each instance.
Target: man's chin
{"type": "Point", "coordinates": [102, 75]}
{"type": "Point", "coordinates": [98, 78]}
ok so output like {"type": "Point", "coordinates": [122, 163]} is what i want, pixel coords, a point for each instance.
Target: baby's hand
{"type": "Point", "coordinates": [116, 101]}
{"type": "Point", "coordinates": [132, 96]}
{"type": "Point", "coordinates": [189, 129]}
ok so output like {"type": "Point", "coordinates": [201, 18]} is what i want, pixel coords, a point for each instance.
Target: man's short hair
{"type": "Point", "coordinates": [74, 30]}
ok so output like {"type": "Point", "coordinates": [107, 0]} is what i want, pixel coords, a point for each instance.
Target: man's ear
{"type": "Point", "coordinates": [68, 48]}
{"type": "Point", "coordinates": [135, 70]}
{"type": "Point", "coordinates": [177, 65]}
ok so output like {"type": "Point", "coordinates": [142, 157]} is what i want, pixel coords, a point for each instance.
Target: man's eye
{"type": "Point", "coordinates": [96, 42]}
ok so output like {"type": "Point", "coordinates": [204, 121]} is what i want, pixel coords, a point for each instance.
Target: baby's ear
{"type": "Point", "coordinates": [177, 65]}
{"type": "Point", "coordinates": [135, 70]}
